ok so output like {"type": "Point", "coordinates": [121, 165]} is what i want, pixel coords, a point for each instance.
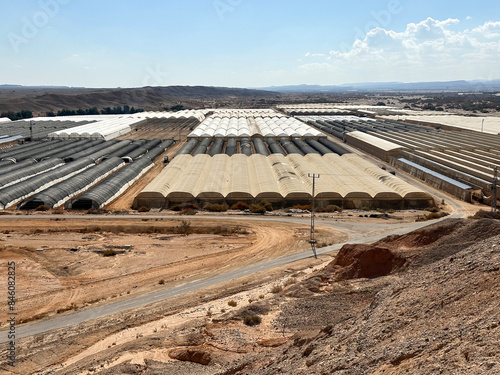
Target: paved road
{"type": "Point", "coordinates": [360, 233]}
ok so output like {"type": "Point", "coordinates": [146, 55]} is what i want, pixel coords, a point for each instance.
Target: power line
{"type": "Point", "coordinates": [312, 239]}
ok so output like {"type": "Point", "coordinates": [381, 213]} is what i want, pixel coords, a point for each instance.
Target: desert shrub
{"type": "Point", "coordinates": [232, 303]}
{"type": "Point", "coordinates": [96, 211]}
{"type": "Point", "coordinates": [144, 209]}
{"type": "Point", "coordinates": [67, 308]}
{"type": "Point", "coordinates": [391, 211]}
{"type": "Point", "coordinates": [42, 208]}
{"type": "Point", "coordinates": [329, 208]}
{"type": "Point", "coordinates": [109, 253]}
{"type": "Point", "coordinates": [432, 216]}
{"type": "Point", "coordinates": [180, 207]}
{"type": "Point", "coordinates": [227, 231]}
{"type": "Point", "coordinates": [268, 206]}
{"type": "Point", "coordinates": [185, 227]}
{"type": "Point", "coordinates": [187, 211]}
{"type": "Point", "coordinates": [252, 320]}
{"type": "Point", "coordinates": [432, 209]}
{"type": "Point", "coordinates": [214, 207]}
{"type": "Point", "coordinates": [33, 318]}
{"type": "Point", "coordinates": [257, 209]}
{"type": "Point", "coordinates": [290, 281]}
{"type": "Point", "coordinates": [37, 231]}
{"type": "Point", "coordinates": [161, 282]}
{"type": "Point", "coordinates": [365, 208]}
{"type": "Point", "coordinates": [240, 206]}
{"type": "Point", "coordinates": [276, 289]}
{"type": "Point", "coordinates": [58, 211]}
{"type": "Point", "coordinates": [324, 244]}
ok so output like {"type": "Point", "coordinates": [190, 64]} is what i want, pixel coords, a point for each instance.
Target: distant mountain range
{"type": "Point", "coordinates": [449, 86]}
{"type": "Point", "coordinates": [40, 99]}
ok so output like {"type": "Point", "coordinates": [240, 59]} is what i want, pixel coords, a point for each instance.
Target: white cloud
{"type": "Point", "coordinates": [428, 50]}
{"type": "Point", "coordinates": [309, 54]}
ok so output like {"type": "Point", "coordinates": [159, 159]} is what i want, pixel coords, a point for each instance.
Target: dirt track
{"type": "Point", "coordinates": [58, 278]}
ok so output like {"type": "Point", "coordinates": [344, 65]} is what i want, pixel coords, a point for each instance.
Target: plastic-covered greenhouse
{"type": "Point", "coordinates": [12, 194]}
{"type": "Point", "coordinates": [59, 193]}
{"type": "Point", "coordinates": [112, 187]}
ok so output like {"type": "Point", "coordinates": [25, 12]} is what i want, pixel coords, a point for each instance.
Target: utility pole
{"type": "Point", "coordinates": [482, 125]}
{"type": "Point", "coordinates": [494, 189]}
{"type": "Point", "coordinates": [31, 130]}
{"type": "Point", "coordinates": [312, 240]}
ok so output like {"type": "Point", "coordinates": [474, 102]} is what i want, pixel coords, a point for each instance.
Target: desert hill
{"type": "Point", "coordinates": [45, 99]}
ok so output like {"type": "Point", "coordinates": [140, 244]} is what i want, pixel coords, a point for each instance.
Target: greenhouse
{"type": "Point", "coordinates": [283, 180]}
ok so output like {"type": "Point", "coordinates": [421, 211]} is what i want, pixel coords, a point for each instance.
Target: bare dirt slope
{"type": "Point", "coordinates": [435, 311]}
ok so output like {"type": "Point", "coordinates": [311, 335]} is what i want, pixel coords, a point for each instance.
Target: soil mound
{"type": "Point", "coordinates": [365, 261]}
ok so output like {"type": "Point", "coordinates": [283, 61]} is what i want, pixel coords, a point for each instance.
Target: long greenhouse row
{"type": "Point", "coordinates": [262, 146]}
{"type": "Point", "coordinates": [91, 126]}
{"type": "Point", "coordinates": [237, 127]}
{"type": "Point", "coordinates": [458, 162]}
{"type": "Point", "coordinates": [283, 180]}
{"type": "Point", "coordinates": [53, 181]}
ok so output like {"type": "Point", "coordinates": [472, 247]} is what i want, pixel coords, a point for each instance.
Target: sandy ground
{"type": "Point", "coordinates": [212, 310]}
{"type": "Point", "coordinates": [51, 276]}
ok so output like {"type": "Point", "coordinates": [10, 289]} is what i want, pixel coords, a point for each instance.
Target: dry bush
{"type": "Point", "coordinates": [185, 228]}
{"type": "Point", "coordinates": [432, 209]}
{"type": "Point", "coordinates": [180, 207]}
{"type": "Point", "coordinates": [109, 253]}
{"type": "Point", "coordinates": [42, 208]}
{"type": "Point", "coordinates": [187, 211]}
{"type": "Point", "coordinates": [268, 206]}
{"type": "Point", "coordinates": [33, 318]}
{"type": "Point", "coordinates": [225, 231]}
{"type": "Point", "coordinates": [67, 308]}
{"type": "Point", "coordinates": [96, 211]}
{"type": "Point", "coordinates": [232, 303]}
{"type": "Point", "coordinates": [276, 289]}
{"type": "Point", "coordinates": [240, 206]}
{"type": "Point", "coordinates": [252, 320]}
{"type": "Point", "coordinates": [144, 209]}
{"type": "Point", "coordinates": [257, 209]}
{"type": "Point", "coordinates": [329, 208]}
{"type": "Point", "coordinates": [432, 216]}
{"type": "Point", "coordinates": [214, 207]}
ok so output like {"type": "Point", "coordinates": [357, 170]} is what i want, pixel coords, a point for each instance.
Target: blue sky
{"type": "Point", "coordinates": [246, 43]}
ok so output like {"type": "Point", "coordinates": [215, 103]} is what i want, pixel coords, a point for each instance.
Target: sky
{"type": "Point", "coordinates": [246, 43]}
